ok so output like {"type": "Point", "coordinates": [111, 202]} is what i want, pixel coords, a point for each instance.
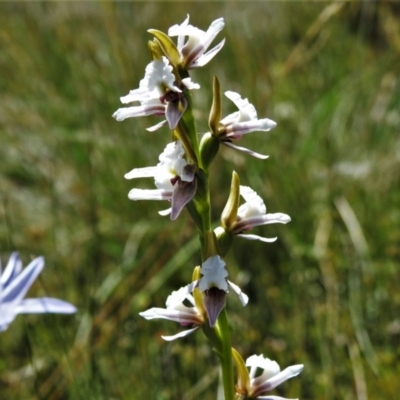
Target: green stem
{"type": "Point", "coordinates": [226, 356]}
{"type": "Point", "coordinates": [200, 210]}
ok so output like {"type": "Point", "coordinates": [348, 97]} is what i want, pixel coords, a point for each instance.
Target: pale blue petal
{"type": "Point", "coordinates": [17, 289]}
{"type": "Point", "coordinates": [45, 305]}
{"type": "Point", "coordinates": [13, 268]}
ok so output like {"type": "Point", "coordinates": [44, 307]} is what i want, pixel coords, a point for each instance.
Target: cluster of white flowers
{"type": "Point", "coordinates": [162, 92]}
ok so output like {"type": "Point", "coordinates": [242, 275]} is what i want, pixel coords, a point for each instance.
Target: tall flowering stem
{"type": "Point", "coordinates": [182, 178]}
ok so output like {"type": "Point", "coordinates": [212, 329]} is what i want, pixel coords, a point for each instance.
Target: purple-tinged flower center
{"type": "Point", "coordinates": [171, 97]}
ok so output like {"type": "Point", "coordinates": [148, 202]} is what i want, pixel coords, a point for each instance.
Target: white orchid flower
{"type": "Point", "coordinates": [14, 284]}
{"type": "Point", "coordinates": [176, 311]}
{"type": "Point", "coordinates": [214, 285]}
{"type": "Point", "coordinates": [158, 95]}
{"type": "Point", "coordinates": [241, 122]}
{"type": "Point", "coordinates": [254, 213]}
{"type": "Point", "coordinates": [193, 52]}
{"type": "Point", "coordinates": [271, 376]}
{"type": "Point", "coordinates": [173, 176]}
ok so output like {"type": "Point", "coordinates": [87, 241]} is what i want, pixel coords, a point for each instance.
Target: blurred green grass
{"type": "Point", "coordinates": [325, 294]}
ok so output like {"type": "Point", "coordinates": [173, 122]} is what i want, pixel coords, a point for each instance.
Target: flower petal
{"type": "Point", "coordinates": [213, 30]}
{"type": "Point", "coordinates": [245, 150]}
{"type": "Point", "coordinates": [247, 111]}
{"type": "Point", "coordinates": [185, 315]}
{"type": "Point", "coordinates": [273, 398]}
{"type": "Point", "coordinates": [182, 194]}
{"type": "Point", "coordinates": [157, 126]}
{"type": "Point", "coordinates": [166, 212]}
{"type": "Point", "coordinates": [207, 57]}
{"type": "Point", "coordinates": [244, 299]}
{"type": "Point", "coordinates": [7, 315]}
{"type": "Point", "coordinates": [254, 206]}
{"type": "Point", "coordinates": [192, 52]}
{"type": "Point", "coordinates": [149, 194]}
{"type": "Point", "coordinates": [147, 172]}
{"type": "Point", "coordinates": [174, 112]}
{"type": "Point", "coordinates": [279, 378]}
{"type": "Point", "coordinates": [17, 289]}
{"type": "Point", "coordinates": [242, 128]}
{"type": "Point", "coordinates": [139, 111]}
{"type": "Point", "coordinates": [214, 303]}
{"type": "Point", "coordinates": [270, 368]}
{"type": "Point", "coordinates": [180, 334]}
{"type": "Point", "coordinates": [180, 295]}
{"type": "Point", "coordinates": [13, 268]}
{"type": "Point", "coordinates": [256, 237]}
{"type": "Point", "coordinates": [189, 84]}
{"type": "Point", "coordinates": [45, 305]}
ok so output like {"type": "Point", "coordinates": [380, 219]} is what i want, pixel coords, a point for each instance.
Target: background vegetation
{"type": "Point", "coordinates": [326, 294]}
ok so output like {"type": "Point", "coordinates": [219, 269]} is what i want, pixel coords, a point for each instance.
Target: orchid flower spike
{"type": "Point", "coordinates": [176, 311]}
{"type": "Point", "coordinates": [254, 213]}
{"type": "Point", "coordinates": [270, 378]}
{"type": "Point", "coordinates": [241, 122]}
{"type": "Point", "coordinates": [174, 178]}
{"type": "Point", "coordinates": [14, 284]}
{"type": "Point", "coordinates": [214, 286]}
{"type": "Point", "coordinates": [193, 52]}
{"type": "Point", "coordinates": [158, 94]}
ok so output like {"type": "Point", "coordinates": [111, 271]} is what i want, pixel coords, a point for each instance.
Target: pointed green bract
{"type": "Point", "coordinates": [155, 49]}
{"type": "Point", "coordinates": [216, 108]}
{"type": "Point", "coordinates": [229, 214]}
{"type": "Point", "coordinates": [168, 47]}
{"type": "Point", "coordinates": [242, 372]}
{"type": "Point", "coordinates": [197, 295]}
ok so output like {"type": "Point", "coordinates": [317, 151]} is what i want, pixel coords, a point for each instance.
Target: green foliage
{"type": "Point", "coordinates": [325, 294]}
